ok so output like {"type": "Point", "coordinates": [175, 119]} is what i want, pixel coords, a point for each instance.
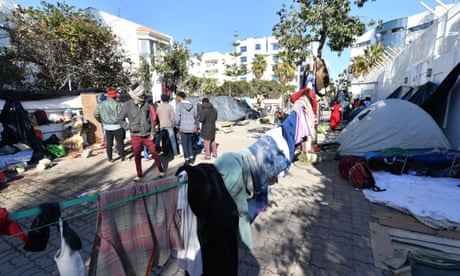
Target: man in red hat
{"type": "Point", "coordinates": [106, 113]}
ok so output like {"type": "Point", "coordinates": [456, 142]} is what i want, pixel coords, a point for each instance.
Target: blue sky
{"type": "Point", "coordinates": [211, 24]}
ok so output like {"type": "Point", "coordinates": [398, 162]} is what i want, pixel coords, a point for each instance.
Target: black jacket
{"type": "Point", "coordinates": [218, 218]}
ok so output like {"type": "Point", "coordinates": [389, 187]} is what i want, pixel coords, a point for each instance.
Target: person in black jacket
{"type": "Point", "coordinates": [141, 128]}
{"type": "Point", "coordinates": [208, 118]}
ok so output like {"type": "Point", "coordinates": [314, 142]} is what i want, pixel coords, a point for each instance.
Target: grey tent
{"type": "Point", "coordinates": [391, 123]}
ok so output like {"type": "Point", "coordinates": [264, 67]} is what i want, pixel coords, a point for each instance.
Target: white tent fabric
{"type": "Point", "coordinates": [390, 123]}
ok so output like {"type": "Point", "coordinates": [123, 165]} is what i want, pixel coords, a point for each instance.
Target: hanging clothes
{"type": "Point", "coordinates": [265, 161]}
{"type": "Point", "coordinates": [125, 243]}
{"type": "Point", "coordinates": [289, 129]}
{"type": "Point", "coordinates": [217, 219]}
{"type": "Point", "coordinates": [277, 135]}
{"type": "Point", "coordinates": [189, 259]}
{"type": "Point", "coordinates": [68, 261]}
{"type": "Point", "coordinates": [238, 181]}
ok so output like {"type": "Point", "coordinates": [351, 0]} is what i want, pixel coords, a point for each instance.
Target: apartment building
{"type": "Point", "coordinates": [138, 42]}
{"type": "Point", "coordinates": [212, 64]}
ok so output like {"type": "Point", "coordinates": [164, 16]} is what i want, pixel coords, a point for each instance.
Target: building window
{"type": "Point", "coordinates": [243, 49]}
{"type": "Point", "coordinates": [258, 46]}
{"type": "Point", "coordinates": [146, 47]}
{"type": "Point", "coordinates": [243, 59]}
{"type": "Point", "coordinates": [275, 58]}
{"type": "Point", "coordinates": [275, 78]}
{"type": "Point", "coordinates": [276, 47]}
{"type": "Point", "coordinates": [243, 78]}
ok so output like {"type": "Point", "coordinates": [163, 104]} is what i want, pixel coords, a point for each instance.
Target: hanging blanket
{"type": "Point", "coordinates": [125, 241]}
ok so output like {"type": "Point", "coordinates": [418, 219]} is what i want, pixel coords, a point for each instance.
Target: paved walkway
{"type": "Point", "coordinates": [316, 224]}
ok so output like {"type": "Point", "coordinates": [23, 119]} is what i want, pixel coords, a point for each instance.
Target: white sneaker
{"type": "Point", "coordinates": [137, 179]}
{"type": "Point", "coordinates": [161, 174]}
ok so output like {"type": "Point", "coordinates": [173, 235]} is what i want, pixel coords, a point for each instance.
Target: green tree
{"type": "Point", "coordinates": [323, 21]}
{"type": "Point", "coordinates": [259, 65]}
{"type": "Point", "coordinates": [58, 47]}
{"type": "Point", "coordinates": [359, 66]}
{"type": "Point", "coordinates": [234, 69]}
{"type": "Point", "coordinates": [284, 69]}
{"type": "Point", "coordinates": [10, 74]}
{"type": "Point", "coordinates": [173, 64]}
{"type": "Point", "coordinates": [373, 54]}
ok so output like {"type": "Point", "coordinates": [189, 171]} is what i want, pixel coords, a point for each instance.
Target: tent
{"type": "Point", "coordinates": [390, 123]}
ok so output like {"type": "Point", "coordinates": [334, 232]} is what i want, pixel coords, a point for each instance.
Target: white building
{"type": "Point", "coordinates": [212, 64]}
{"type": "Point", "coordinates": [138, 42]}
{"type": "Point", "coordinates": [418, 49]}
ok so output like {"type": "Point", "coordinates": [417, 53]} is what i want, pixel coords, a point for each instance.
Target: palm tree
{"type": "Point", "coordinates": [373, 54]}
{"type": "Point", "coordinates": [359, 66]}
{"type": "Point", "coordinates": [284, 70]}
{"type": "Point", "coordinates": [259, 65]}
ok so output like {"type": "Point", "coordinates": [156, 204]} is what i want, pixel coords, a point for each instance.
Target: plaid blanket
{"type": "Point", "coordinates": [134, 234]}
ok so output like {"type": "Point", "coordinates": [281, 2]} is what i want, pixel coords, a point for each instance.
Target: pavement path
{"type": "Point", "coordinates": [316, 223]}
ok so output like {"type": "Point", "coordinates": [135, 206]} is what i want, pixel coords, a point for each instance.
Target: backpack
{"type": "Point", "coordinates": [360, 176]}
{"type": "Point", "coordinates": [345, 164]}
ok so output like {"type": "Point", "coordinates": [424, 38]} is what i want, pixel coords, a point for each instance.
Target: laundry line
{"type": "Point", "coordinates": [90, 198]}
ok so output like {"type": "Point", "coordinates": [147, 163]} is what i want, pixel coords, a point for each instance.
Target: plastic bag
{"type": "Point", "coordinates": [56, 150]}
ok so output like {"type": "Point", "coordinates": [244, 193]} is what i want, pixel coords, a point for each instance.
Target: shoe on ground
{"type": "Point", "coordinates": [161, 174]}
{"type": "Point", "coordinates": [177, 157]}
{"type": "Point", "coordinates": [110, 161]}
{"type": "Point", "coordinates": [137, 179]}
{"type": "Point", "coordinates": [214, 156]}
{"type": "Point", "coordinates": [207, 158]}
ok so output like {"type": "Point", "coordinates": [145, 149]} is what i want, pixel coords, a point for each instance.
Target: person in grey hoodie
{"type": "Point", "coordinates": [141, 128]}
{"type": "Point", "coordinates": [186, 116]}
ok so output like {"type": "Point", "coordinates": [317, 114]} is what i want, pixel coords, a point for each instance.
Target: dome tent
{"type": "Point", "coordinates": [390, 123]}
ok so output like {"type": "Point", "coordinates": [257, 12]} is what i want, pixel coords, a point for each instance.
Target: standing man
{"type": "Point", "coordinates": [208, 118]}
{"type": "Point", "coordinates": [141, 128]}
{"type": "Point", "coordinates": [106, 113]}
{"type": "Point", "coordinates": [185, 121]}
{"type": "Point", "coordinates": [167, 117]}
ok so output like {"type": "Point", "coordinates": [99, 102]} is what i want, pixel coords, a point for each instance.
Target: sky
{"type": "Point", "coordinates": [211, 24]}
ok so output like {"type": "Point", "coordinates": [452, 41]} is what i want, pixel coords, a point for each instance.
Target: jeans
{"type": "Point", "coordinates": [119, 136]}
{"type": "Point", "coordinates": [187, 144]}
{"type": "Point", "coordinates": [172, 139]}
{"type": "Point", "coordinates": [137, 144]}
{"type": "Point", "coordinates": [265, 161]}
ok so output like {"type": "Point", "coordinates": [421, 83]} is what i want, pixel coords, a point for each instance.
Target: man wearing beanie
{"type": "Point", "coordinates": [141, 128]}
{"type": "Point", "coordinates": [106, 113]}
{"type": "Point", "coordinates": [166, 116]}
{"type": "Point", "coordinates": [186, 116]}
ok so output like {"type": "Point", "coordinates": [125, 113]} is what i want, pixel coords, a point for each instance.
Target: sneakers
{"type": "Point", "coordinates": [137, 179]}
{"type": "Point", "coordinates": [161, 174]}
{"type": "Point", "coordinates": [207, 158]}
{"type": "Point", "coordinates": [110, 161]}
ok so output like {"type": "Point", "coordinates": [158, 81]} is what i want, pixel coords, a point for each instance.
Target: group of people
{"type": "Point", "coordinates": [342, 109]}
{"type": "Point", "coordinates": [143, 120]}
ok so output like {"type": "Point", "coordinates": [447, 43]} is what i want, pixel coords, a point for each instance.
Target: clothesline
{"type": "Point", "coordinates": [66, 204]}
